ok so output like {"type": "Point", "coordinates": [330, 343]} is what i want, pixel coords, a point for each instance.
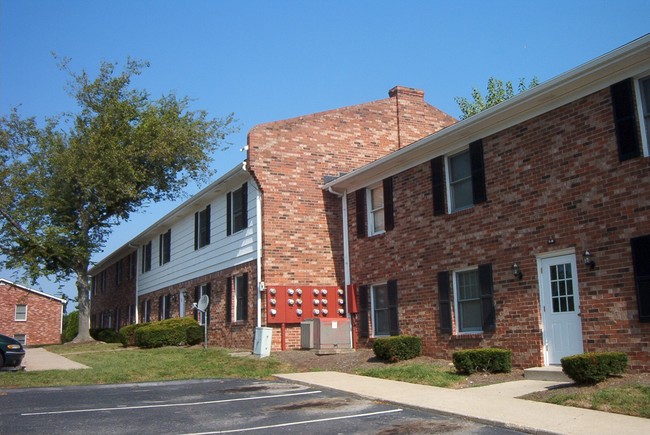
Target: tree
{"type": "Point", "coordinates": [65, 184]}
{"type": "Point", "coordinates": [497, 92]}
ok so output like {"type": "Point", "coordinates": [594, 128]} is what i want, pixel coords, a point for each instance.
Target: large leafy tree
{"type": "Point", "coordinates": [65, 183]}
{"type": "Point", "coordinates": [497, 92]}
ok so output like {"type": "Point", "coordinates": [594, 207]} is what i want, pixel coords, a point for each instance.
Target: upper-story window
{"type": "Point", "coordinates": [146, 257]}
{"type": "Point", "coordinates": [202, 228]}
{"type": "Point", "coordinates": [464, 184]}
{"type": "Point", "coordinates": [375, 211]}
{"type": "Point", "coordinates": [375, 198]}
{"type": "Point", "coordinates": [237, 210]}
{"type": "Point", "coordinates": [165, 248]}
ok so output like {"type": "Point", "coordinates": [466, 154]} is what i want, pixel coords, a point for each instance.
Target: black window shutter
{"type": "Point", "coordinates": [641, 262]}
{"type": "Point", "coordinates": [196, 230]}
{"type": "Point", "coordinates": [389, 209]}
{"type": "Point", "coordinates": [229, 214]}
{"type": "Point", "coordinates": [392, 308]}
{"type": "Point", "coordinates": [478, 171]}
{"type": "Point", "coordinates": [208, 291]}
{"type": "Point", "coordinates": [245, 297]}
{"type": "Point", "coordinates": [438, 182]}
{"type": "Point", "coordinates": [244, 205]}
{"type": "Point", "coordinates": [363, 324]}
{"type": "Point", "coordinates": [361, 213]}
{"type": "Point", "coordinates": [229, 299]}
{"type": "Point", "coordinates": [444, 302]}
{"type": "Point", "coordinates": [625, 119]}
{"type": "Point", "coordinates": [488, 314]}
{"type": "Point", "coordinates": [160, 250]}
{"type": "Point", "coordinates": [207, 225]}
{"type": "Point", "coordinates": [196, 300]}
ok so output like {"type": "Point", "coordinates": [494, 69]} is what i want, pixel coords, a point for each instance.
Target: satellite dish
{"type": "Point", "coordinates": [203, 303]}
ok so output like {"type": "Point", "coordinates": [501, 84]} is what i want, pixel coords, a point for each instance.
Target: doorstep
{"type": "Point", "coordinates": [548, 373]}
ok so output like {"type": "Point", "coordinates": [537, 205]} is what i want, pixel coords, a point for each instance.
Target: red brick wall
{"type": "Point", "coordinates": [290, 159]}
{"type": "Point", "coordinates": [302, 242]}
{"type": "Point", "coordinates": [114, 295]}
{"type": "Point", "coordinates": [558, 176]}
{"type": "Point", "coordinates": [44, 316]}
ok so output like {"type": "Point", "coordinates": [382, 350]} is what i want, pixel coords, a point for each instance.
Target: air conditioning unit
{"type": "Point", "coordinates": [332, 334]}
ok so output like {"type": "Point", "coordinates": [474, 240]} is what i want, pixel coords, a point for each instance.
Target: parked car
{"type": "Point", "coordinates": [11, 352]}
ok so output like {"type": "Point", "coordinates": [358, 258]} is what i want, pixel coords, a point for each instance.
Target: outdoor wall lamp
{"type": "Point", "coordinates": [589, 262]}
{"type": "Point", "coordinates": [516, 271]}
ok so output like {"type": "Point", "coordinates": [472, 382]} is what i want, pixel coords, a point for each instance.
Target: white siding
{"type": "Point", "coordinates": [223, 251]}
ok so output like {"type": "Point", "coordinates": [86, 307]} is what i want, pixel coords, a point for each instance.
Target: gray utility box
{"type": "Point", "coordinates": [325, 334]}
{"type": "Point", "coordinates": [307, 334]}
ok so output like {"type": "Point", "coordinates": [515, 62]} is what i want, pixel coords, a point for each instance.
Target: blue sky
{"type": "Point", "coordinates": [272, 60]}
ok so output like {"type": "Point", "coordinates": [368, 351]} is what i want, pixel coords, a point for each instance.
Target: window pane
{"type": "Point", "coordinates": [469, 301]}
{"type": "Point", "coordinates": [21, 312]}
{"type": "Point", "coordinates": [470, 316]}
{"type": "Point", "coordinates": [378, 221]}
{"type": "Point", "coordinates": [380, 317]}
{"type": "Point", "coordinates": [462, 195]}
{"type": "Point", "coordinates": [377, 198]}
{"type": "Point", "coordinates": [460, 166]}
{"type": "Point", "coordinates": [468, 285]}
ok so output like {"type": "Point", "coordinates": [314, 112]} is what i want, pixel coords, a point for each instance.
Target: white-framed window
{"type": "Point", "coordinates": [202, 228]}
{"type": "Point", "coordinates": [165, 248]}
{"type": "Point", "coordinates": [459, 170]}
{"type": "Point", "coordinates": [643, 104]}
{"type": "Point", "coordinates": [241, 297]}
{"type": "Point", "coordinates": [467, 294]}
{"type": "Point", "coordinates": [237, 210]}
{"type": "Point", "coordinates": [21, 313]}
{"type": "Point", "coordinates": [145, 311]}
{"type": "Point", "coordinates": [380, 310]}
{"type": "Point", "coordinates": [21, 338]}
{"type": "Point", "coordinates": [375, 207]}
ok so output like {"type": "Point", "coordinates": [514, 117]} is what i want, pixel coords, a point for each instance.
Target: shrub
{"type": "Point", "coordinates": [72, 328]}
{"type": "Point", "coordinates": [397, 348]}
{"type": "Point", "coordinates": [127, 333]}
{"type": "Point", "coordinates": [107, 335]}
{"type": "Point", "coordinates": [170, 332]}
{"type": "Point", "coordinates": [594, 367]}
{"type": "Point", "coordinates": [492, 360]}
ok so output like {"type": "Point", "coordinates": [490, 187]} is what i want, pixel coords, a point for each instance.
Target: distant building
{"type": "Point", "coordinates": [30, 316]}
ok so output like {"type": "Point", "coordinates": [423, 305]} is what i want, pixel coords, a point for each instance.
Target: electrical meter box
{"type": "Point", "coordinates": [307, 334]}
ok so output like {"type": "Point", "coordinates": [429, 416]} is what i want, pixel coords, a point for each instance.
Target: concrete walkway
{"type": "Point", "coordinates": [40, 359]}
{"type": "Point", "coordinates": [493, 404]}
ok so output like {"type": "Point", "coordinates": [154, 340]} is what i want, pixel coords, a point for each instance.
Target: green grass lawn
{"type": "Point", "coordinates": [426, 374]}
{"type": "Point", "coordinates": [110, 364]}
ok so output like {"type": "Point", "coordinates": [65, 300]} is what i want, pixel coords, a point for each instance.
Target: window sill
{"type": "Point", "coordinates": [468, 336]}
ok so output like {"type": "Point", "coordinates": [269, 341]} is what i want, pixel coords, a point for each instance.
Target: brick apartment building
{"type": "Point", "coordinates": [526, 226]}
{"type": "Point", "coordinates": [30, 316]}
{"type": "Point", "coordinates": [266, 220]}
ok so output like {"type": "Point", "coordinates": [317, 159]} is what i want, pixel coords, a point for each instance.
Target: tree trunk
{"type": "Point", "coordinates": [83, 306]}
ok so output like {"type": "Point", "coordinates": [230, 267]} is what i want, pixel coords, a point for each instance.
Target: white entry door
{"type": "Point", "coordinates": [562, 327]}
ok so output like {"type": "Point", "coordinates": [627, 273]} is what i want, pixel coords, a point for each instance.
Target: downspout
{"type": "Point", "coordinates": [137, 281]}
{"type": "Point", "coordinates": [260, 283]}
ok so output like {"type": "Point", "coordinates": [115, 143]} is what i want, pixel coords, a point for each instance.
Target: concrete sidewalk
{"type": "Point", "coordinates": [494, 404]}
{"type": "Point", "coordinates": [40, 359]}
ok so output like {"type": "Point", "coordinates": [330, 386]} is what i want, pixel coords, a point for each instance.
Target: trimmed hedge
{"type": "Point", "coordinates": [397, 348]}
{"type": "Point", "coordinates": [491, 360]}
{"type": "Point", "coordinates": [170, 332]}
{"type": "Point", "coordinates": [594, 367]}
{"type": "Point", "coordinates": [127, 333]}
{"type": "Point", "coordinates": [107, 335]}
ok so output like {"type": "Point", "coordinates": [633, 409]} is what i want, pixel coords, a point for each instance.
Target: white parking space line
{"type": "Point", "coordinates": [296, 423]}
{"type": "Point", "coordinates": [168, 405]}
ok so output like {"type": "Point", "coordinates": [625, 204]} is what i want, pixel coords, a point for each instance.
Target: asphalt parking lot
{"type": "Point", "coordinates": [215, 406]}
